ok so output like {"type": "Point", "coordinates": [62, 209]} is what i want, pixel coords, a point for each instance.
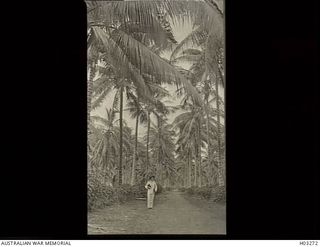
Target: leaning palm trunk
{"type": "Point", "coordinates": [134, 159]}
{"type": "Point", "coordinates": [121, 135]}
{"type": "Point", "coordinates": [220, 176]}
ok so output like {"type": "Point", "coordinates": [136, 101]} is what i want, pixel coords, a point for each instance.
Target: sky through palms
{"type": "Point", "coordinates": [180, 31]}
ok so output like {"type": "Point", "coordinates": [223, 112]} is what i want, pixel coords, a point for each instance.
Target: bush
{"type": "Point", "coordinates": [101, 195]}
{"type": "Point", "coordinates": [219, 194]}
{"type": "Point", "coordinates": [182, 189]}
{"type": "Point", "coordinates": [215, 193]}
{"type": "Point", "coordinates": [160, 189]}
{"type": "Point", "coordinates": [203, 192]}
{"type": "Point", "coordinates": [123, 193]}
{"type": "Point", "coordinates": [139, 190]}
{"type": "Point", "coordinates": [167, 189]}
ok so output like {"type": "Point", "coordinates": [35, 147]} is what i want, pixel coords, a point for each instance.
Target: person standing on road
{"type": "Point", "coordinates": [152, 188]}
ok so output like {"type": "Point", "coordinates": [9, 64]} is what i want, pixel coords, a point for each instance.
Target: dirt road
{"type": "Point", "coordinates": [173, 213]}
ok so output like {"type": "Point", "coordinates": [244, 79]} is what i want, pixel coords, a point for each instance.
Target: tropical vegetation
{"type": "Point", "coordinates": [155, 103]}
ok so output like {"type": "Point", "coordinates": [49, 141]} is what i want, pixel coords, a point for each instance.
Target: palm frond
{"type": "Point", "coordinates": [101, 84]}
{"type": "Point", "coordinates": [196, 38]}
{"type": "Point", "coordinates": [192, 51]}
{"type": "Point", "coordinates": [131, 51]}
{"type": "Point", "coordinates": [98, 101]}
{"type": "Point", "coordinates": [186, 58]}
{"type": "Point", "coordinates": [100, 119]}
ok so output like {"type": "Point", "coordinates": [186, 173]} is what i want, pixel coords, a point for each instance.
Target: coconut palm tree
{"type": "Point", "coordinates": [157, 108]}
{"type": "Point", "coordinates": [162, 152]}
{"type": "Point", "coordinates": [104, 147]}
{"type": "Point", "coordinates": [136, 110]}
{"type": "Point", "coordinates": [107, 132]}
{"type": "Point", "coordinates": [208, 34]}
{"type": "Point", "coordinates": [162, 146]}
{"type": "Point", "coordinates": [118, 85]}
{"type": "Point", "coordinates": [209, 75]}
{"type": "Point", "coordinates": [185, 153]}
{"type": "Point", "coordinates": [122, 33]}
{"type": "Point", "coordinates": [129, 37]}
{"type": "Point", "coordinates": [189, 125]}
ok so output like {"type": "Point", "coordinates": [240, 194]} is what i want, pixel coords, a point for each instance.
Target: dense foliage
{"type": "Point", "coordinates": [128, 74]}
{"type": "Point", "coordinates": [101, 195]}
{"type": "Point", "coordinates": [214, 193]}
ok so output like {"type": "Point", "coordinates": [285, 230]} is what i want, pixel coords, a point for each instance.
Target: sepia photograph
{"type": "Point", "coordinates": [156, 115]}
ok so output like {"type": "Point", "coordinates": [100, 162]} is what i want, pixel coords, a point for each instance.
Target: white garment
{"type": "Point", "coordinates": [150, 194]}
{"type": "Point", "coordinates": [153, 187]}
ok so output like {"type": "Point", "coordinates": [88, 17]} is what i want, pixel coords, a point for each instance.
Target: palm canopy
{"type": "Point", "coordinates": [161, 140]}
{"type": "Point", "coordinates": [207, 37]}
{"type": "Point", "coordinates": [128, 42]}
{"type": "Point", "coordinates": [162, 147]}
{"type": "Point", "coordinates": [129, 54]}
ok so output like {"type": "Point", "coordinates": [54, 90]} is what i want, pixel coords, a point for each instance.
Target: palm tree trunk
{"type": "Point", "coordinates": [208, 142]}
{"type": "Point", "coordinates": [106, 165]}
{"type": "Point", "coordinates": [121, 135]}
{"type": "Point", "coordinates": [133, 170]}
{"type": "Point", "coordinates": [148, 133]}
{"type": "Point", "coordinates": [195, 169]}
{"type": "Point", "coordinates": [199, 155]}
{"type": "Point", "coordinates": [114, 164]}
{"type": "Point", "coordinates": [159, 140]}
{"type": "Point", "coordinates": [220, 177]}
{"type": "Point", "coordinates": [125, 174]}
{"type": "Point", "coordinates": [200, 170]}
{"type": "Point", "coordinates": [189, 167]}
{"type": "Point", "coordinates": [92, 73]}
{"type": "Point", "coordinates": [124, 168]}
{"type": "Point", "coordinates": [185, 175]}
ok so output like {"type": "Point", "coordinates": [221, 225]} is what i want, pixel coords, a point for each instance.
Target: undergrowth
{"type": "Point", "coordinates": [101, 195]}
{"type": "Point", "coordinates": [214, 193]}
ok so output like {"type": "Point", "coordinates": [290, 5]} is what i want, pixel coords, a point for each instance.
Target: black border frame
{"type": "Point", "coordinates": [44, 155]}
